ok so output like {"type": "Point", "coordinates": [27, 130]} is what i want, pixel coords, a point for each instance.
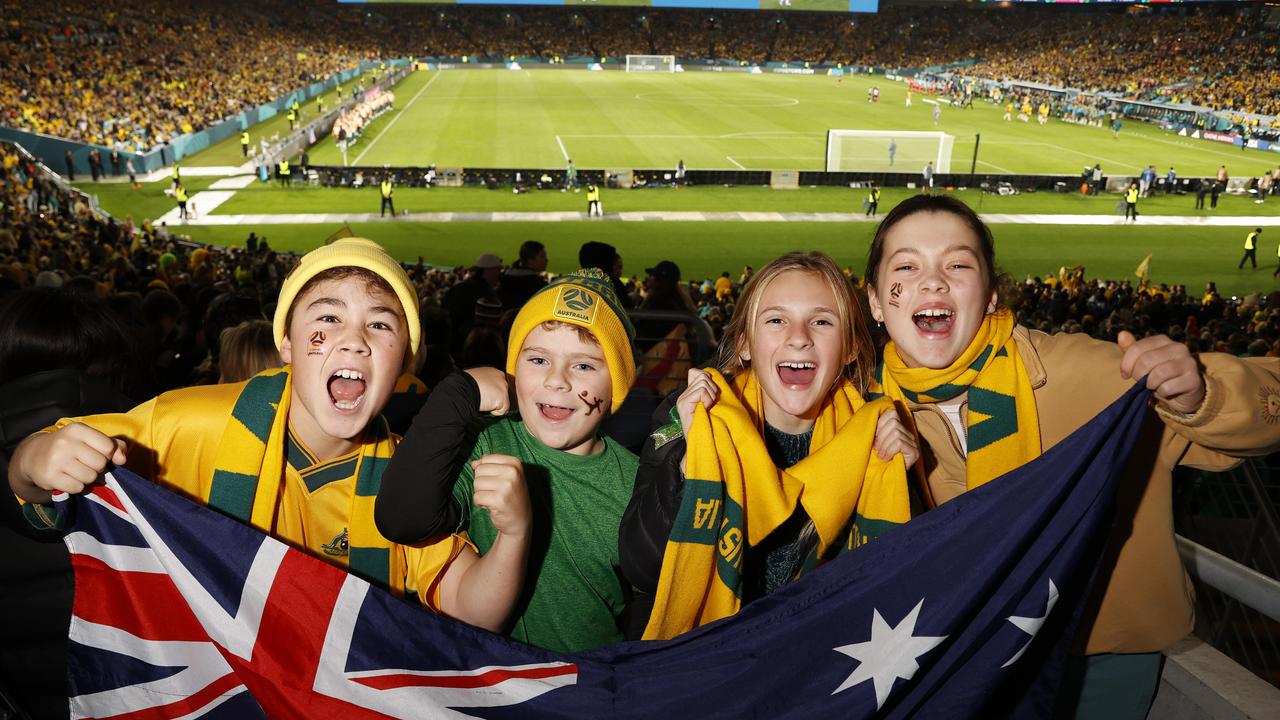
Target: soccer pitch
{"type": "Point", "coordinates": [613, 120]}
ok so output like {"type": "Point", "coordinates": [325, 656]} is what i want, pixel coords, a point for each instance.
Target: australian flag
{"type": "Point", "coordinates": [965, 612]}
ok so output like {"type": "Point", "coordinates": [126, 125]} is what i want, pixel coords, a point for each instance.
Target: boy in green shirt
{"type": "Point", "coordinates": [571, 360]}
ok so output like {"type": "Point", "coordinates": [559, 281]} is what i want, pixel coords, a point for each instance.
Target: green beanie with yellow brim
{"type": "Point", "coordinates": [350, 252]}
{"type": "Point", "coordinates": [584, 298]}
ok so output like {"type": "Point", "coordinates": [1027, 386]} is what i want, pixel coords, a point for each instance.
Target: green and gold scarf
{"type": "Point", "coordinates": [1003, 427]}
{"type": "Point", "coordinates": [734, 496]}
{"type": "Point", "coordinates": [249, 471]}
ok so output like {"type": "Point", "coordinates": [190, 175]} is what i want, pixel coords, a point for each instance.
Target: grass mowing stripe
{"type": "Point", "coordinates": [394, 119]}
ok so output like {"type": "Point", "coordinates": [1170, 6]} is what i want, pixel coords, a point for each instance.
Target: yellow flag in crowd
{"type": "Point", "coordinates": [342, 232]}
{"type": "Point", "coordinates": [1144, 268]}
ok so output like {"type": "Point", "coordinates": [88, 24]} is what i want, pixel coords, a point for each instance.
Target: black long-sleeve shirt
{"type": "Point", "coordinates": [415, 502]}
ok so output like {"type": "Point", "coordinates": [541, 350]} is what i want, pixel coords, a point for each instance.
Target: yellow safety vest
{"type": "Point", "coordinates": [874, 196]}
{"type": "Point", "coordinates": [1132, 195]}
{"type": "Point", "coordinates": [181, 194]}
{"type": "Point", "coordinates": [244, 138]}
{"type": "Point", "coordinates": [284, 167]}
{"type": "Point", "coordinates": [1250, 242]}
{"type": "Point", "coordinates": [175, 173]}
{"type": "Point", "coordinates": [593, 193]}
{"type": "Point", "coordinates": [386, 188]}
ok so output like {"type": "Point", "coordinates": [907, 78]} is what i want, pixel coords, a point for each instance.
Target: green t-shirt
{"type": "Point", "coordinates": [574, 595]}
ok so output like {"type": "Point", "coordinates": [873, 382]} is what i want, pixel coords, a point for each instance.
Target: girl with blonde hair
{"type": "Point", "coordinates": [768, 464]}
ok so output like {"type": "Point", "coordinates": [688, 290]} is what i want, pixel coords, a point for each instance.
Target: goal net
{"type": "Point", "coordinates": [905, 151]}
{"type": "Point", "coordinates": [651, 63]}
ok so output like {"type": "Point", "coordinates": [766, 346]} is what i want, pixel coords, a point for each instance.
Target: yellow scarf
{"type": "Point", "coordinates": [734, 496]}
{"type": "Point", "coordinates": [249, 470]}
{"type": "Point", "coordinates": [1003, 426]}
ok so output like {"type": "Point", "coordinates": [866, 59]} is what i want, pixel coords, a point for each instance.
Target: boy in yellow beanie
{"type": "Point", "coordinates": [297, 452]}
{"type": "Point", "coordinates": [571, 360]}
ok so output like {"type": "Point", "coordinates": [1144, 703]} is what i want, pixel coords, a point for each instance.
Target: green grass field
{"type": "Point", "coordinates": [504, 118]}
{"type": "Point", "coordinates": [534, 119]}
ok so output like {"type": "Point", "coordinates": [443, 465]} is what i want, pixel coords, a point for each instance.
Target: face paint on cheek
{"type": "Point", "coordinates": [895, 292]}
{"type": "Point", "coordinates": [317, 342]}
{"type": "Point", "coordinates": [593, 404]}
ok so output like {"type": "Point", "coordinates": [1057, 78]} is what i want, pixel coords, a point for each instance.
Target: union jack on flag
{"type": "Point", "coordinates": [965, 612]}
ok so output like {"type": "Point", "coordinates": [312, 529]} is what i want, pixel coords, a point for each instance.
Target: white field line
{"type": "Point", "coordinates": [394, 119]}
{"type": "Point", "coordinates": [1091, 155]}
{"type": "Point", "coordinates": [563, 152]}
{"type": "Point", "coordinates": [735, 162]}
{"type": "Point", "coordinates": [1211, 149]}
{"type": "Point", "coordinates": [1001, 169]}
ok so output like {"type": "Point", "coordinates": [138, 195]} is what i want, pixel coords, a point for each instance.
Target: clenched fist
{"type": "Point", "coordinates": [500, 489]}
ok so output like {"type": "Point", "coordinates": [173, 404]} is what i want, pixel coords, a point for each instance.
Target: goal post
{"type": "Point", "coordinates": [906, 151]}
{"type": "Point", "coordinates": [651, 63]}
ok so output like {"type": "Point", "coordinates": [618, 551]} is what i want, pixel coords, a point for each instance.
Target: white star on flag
{"type": "Point", "coordinates": [890, 654]}
{"type": "Point", "coordinates": [1031, 625]}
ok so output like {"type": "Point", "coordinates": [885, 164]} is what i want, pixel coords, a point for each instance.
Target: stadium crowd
{"type": "Point", "coordinates": [174, 298]}
{"type": "Point", "coordinates": [135, 74]}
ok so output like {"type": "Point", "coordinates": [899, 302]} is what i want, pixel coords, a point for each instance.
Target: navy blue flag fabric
{"type": "Point", "coordinates": [965, 612]}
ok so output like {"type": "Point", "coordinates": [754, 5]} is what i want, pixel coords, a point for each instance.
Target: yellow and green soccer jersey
{"type": "Point", "coordinates": [173, 440]}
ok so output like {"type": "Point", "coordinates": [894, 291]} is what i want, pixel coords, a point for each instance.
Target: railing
{"type": "Point", "coordinates": [90, 201]}
{"type": "Point", "coordinates": [1229, 539]}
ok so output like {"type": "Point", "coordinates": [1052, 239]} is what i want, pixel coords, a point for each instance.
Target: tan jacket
{"type": "Point", "coordinates": [1148, 603]}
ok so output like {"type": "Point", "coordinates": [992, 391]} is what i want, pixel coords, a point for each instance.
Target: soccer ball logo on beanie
{"type": "Point", "coordinates": [576, 303]}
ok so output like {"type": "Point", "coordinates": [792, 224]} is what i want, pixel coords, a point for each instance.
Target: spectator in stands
{"type": "Point", "coordinates": [482, 281]}
{"type": "Point", "coordinates": [62, 352]}
{"type": "Point", "coordinates": [1143, 605]}
{"type": "Point", "coordinates": [525, 276]}
{"type": "Point", "coordinates": [246, 350]}
{"type": "Point", "coordinates": [606, 258]}
{"type": "Point", "coordinates": [662, 291]}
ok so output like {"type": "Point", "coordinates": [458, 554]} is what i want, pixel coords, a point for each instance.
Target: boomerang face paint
{"type": "Point", "coordinates": [931, 296]}
{"type": "Point", "coordinates": [562, 388]}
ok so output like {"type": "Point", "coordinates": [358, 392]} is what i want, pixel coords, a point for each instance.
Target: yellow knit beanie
{"type": "Point", "coordinates": [584, 298]}
{"type": "Point", "coordinates": [351, 252]}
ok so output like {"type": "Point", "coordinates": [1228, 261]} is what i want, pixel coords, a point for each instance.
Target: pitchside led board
{"type": "Point", "coordinates": [857, 6]}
